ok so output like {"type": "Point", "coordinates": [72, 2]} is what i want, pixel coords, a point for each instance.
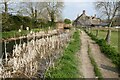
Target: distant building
{"type": "Point", "coordinates": [62, 25]}
{"type": "Point", "coordinates": [84, 20]}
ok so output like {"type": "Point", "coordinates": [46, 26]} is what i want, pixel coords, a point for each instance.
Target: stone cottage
{"type": "Point", "coordinates": [62, 25]}
{"type": "Point", "coordinates": [85, 20]}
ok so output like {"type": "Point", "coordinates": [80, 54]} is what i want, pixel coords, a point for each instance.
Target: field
{"type": "Point", "coordinates": [12, 34]}
{"type": "Point", "coordinates": [114, 37]}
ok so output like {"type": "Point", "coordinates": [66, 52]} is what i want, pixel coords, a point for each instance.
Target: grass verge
{"type": "Point", "coordinates": [108, 50]}
{"type": "Point", "coordinates": [66, 65]}
{"type": "Point", "coordinates": [114, 37]}
{"type": "Point", "coordinates": [96, 69]}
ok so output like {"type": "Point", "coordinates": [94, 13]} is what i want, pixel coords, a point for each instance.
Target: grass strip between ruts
{"type": "Point", "coordinates": [96, 69]}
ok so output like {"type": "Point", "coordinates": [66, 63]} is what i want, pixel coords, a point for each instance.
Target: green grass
{"type": "Point", "coordinates": [107, 49]}
{"type": "Point", "coordinates": [12, 34]}
{"type": "Point", "coordinates": [96, 69]}
{"type": "Point", "coordinates": [66, 65]}
{"type": "Point", "coordinates": [36, 30]}
{"type": "Point", "coordinates": [114, 37]}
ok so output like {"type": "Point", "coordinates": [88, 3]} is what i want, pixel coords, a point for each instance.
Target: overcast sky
{"type": "Point", "coordinates": [73, 9]}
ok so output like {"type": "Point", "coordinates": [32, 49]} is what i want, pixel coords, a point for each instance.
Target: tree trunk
{"type": "Point", "coordinates": [6, 8]}
{"type": "Point", "coordinates": [6, 11]}
{"type": "Point", "coordinates": [32, 12]}
{"type": "Point", "coordinates": [109, 33]}
{"type": "Point", "coordinates": [90, 30]}
{"type": "Point", "coordinates": [52, 17]}
{"type": "Point", "coordinates": [108, 36]}
{"type": "Point", "coordinates": [35, 14]}
{"type": "Point", "coordinates": [97, 32]}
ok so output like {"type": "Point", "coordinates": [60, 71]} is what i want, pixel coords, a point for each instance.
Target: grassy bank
{"type": "Point", "coordinates": [96, 69]}
{"type": "Point", "coordinates": [114, 37]}
{"type": "Point", "coordinates": [108, 50]}
{"type": "Point", "coordinates": [66, 65]}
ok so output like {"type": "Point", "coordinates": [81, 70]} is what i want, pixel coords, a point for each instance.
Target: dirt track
{"type": "Point", "coordinates": [107, 68]}
{"type": "Point", "coordinates": [86, 66]}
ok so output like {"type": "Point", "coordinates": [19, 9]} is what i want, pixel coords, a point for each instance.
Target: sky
{"type": "Point", "coordinates": [73, 9]}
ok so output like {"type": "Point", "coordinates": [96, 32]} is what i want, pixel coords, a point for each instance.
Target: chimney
{"type": "Point", "coordinates": [77, 15]}
{"type": "Point", "coordinates": [83, 11]}
{"type": "Point", "coordinates": [94, 15]}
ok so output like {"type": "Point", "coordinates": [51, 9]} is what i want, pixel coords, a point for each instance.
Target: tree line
{"type": "Point", "coordinates": [29, 14]}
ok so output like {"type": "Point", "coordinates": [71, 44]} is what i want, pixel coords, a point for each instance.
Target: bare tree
{"type": "Point", "coordinates": [109, 9]}
{"type": "Point", "coordinates": [7, 8]}
{"type": "Point", "coordinates": [47, 10]}
{"type": "Point", "coordinates": [54, 10]}
{"type": "Point", "coordinates": [32, 9]}
{"type": "Point", "coordinates": [4, 6]}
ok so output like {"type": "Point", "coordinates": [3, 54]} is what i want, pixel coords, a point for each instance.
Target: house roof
{"type": "Point", "coordinates": [83, 19]}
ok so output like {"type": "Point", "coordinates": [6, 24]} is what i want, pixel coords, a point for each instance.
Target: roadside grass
{"type": "Point", "coordinates": [12, 34]}
{"type": "Point", "coordinates": [107, 49]}
{"type": "Point", "coordinates": [66, 66]}
{"type": "Point", "coordinates": [114, 37]}
{"type": "Point", "coordinates": [96, 69]}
